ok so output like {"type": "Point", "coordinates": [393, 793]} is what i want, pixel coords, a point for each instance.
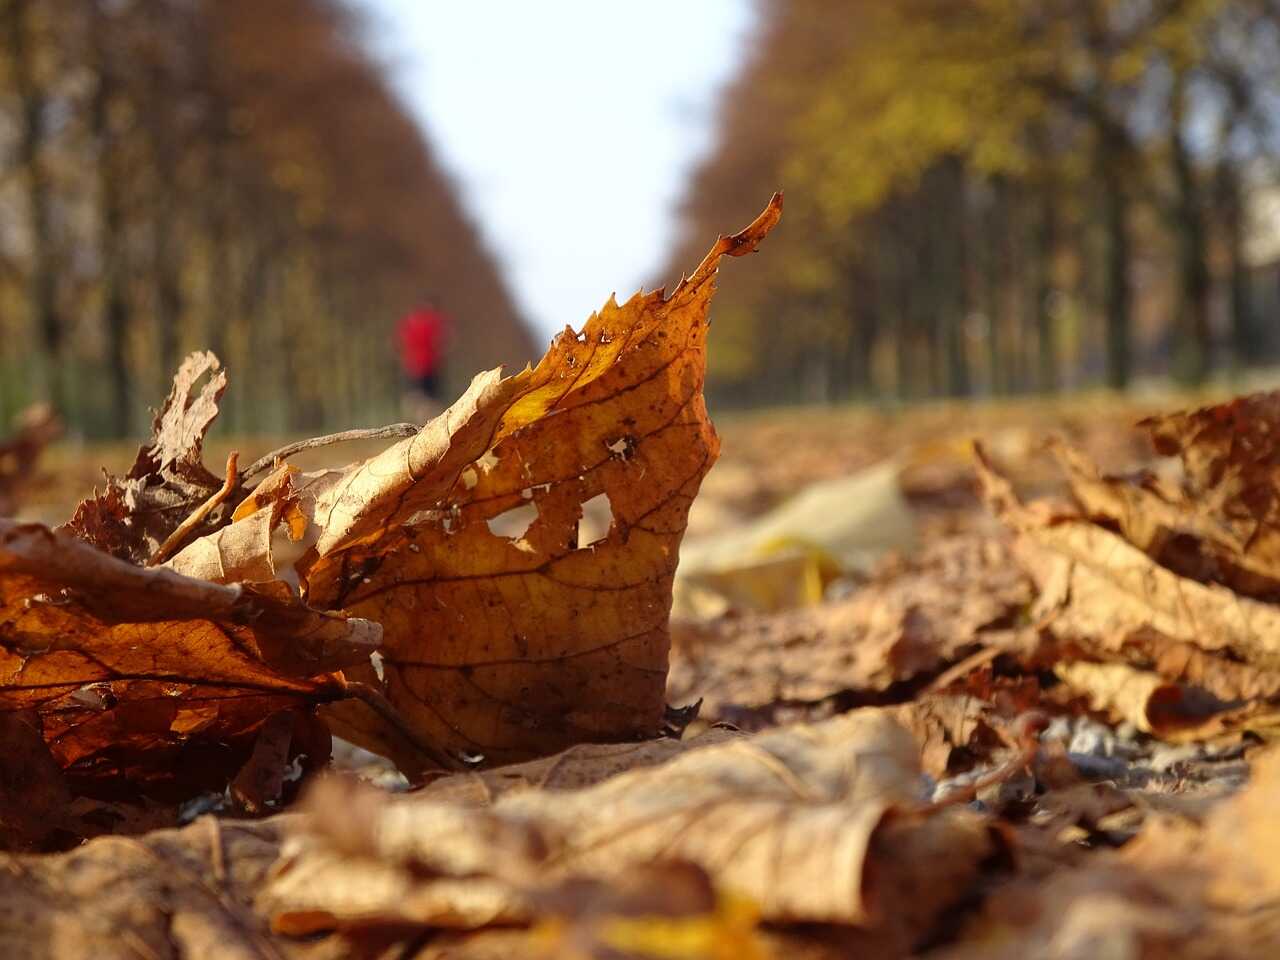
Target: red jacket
{"type": "Point", "coordinates": [421, 334]}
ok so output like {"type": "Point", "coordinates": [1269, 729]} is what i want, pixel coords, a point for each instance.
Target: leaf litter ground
{"type": "Point", "coordinates": [950, 701]}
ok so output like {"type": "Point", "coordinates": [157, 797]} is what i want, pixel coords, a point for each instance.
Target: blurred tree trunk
{"type": "Point", "coordinates": [219, 307]}
{"type": "Point", "coordinates": [1193, 353]}
{"type": "Point", "coordinates": [1046, 245]}
{"type": "Point", "coordinates": [167, 289]}
{"type": "Point", "coordinates": [111, 240]}
{"type": "Point", "coordinates": [1230, 200]}
{"type": "Point", "coordinates": [1117, 256]}
{"type": "Point", "coordinates": [32, 134]}
{"type": "Point", "coordinates": [994, 225]}
{"type": "Point", "coordinates": [956, 280]}
{"type": "Point", "coordinates": [861, 342]}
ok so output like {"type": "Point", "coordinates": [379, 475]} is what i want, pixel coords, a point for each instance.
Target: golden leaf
{"type": "Point", "coordinates": [507, 634]}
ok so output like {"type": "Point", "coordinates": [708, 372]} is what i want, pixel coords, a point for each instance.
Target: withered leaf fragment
{"type": "Point", "coordinates": [1230, 455]}
{"type": "Point", "coordinates": [1145, 699]}
{"type": "Point", "coordinates": [136, 513]}
{"type": "Point", "coordinates": [797, 821]}
{"type": "Point", "coordinates": [34, 429]}
{"type": "Point", "coordinates": [507, 635]}
{"type": "Point", "coordinates": [174, 894]}
{"type": "Point", "coordinates": [145, 679]}
{"type": "Point", "coordinates": [914, 618]}
{"type": "Point", "coordinates": [1176, 890]}
{"type": "Point", "coordinates": [1109, 597]}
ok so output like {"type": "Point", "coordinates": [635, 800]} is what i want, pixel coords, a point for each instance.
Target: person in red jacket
{"type": "Point", "coordinates": [422, 333]}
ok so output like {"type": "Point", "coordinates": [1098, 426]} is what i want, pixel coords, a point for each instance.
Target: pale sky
{"type": "Point", "coordinates": [570, 126]}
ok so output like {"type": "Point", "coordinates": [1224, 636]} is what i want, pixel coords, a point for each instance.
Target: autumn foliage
{"type": "Point", "coordinates": [918, 697]}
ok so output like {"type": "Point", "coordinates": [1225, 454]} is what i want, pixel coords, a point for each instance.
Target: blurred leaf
{"type": "Point", "coordinates": [788, 819]}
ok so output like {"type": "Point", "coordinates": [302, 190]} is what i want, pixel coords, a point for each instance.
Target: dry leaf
{"type": "Point", "coordinates": [1180, 530]}
{"type": "Point", "coordinates": [136, 513]}
{"type": "Point", "coordinates": [784, 819]}
{"type": "Point", "coordinates": [1151, 703]}
{"type": "Point", "coordinates": [506, 635]}
{"type": "Point", "coordinates": [131, 669]}
{"type": "Point", "coordinates": [172, 894]}
{"type": "Point", "coordinates": [1175, 891]}
{"type": "Point", "coordinates": [34, 429]}
{"type": "Point", "coordinates": [845, 523]}
{"type": "Point", "coordinates": [1231, 463]}
{"type": "Point", "coordinates": [580, 766]}
{"type": "Point", "coordinates": [907, 624]}
{"type": "Point", "coordinates": [1099, 590]}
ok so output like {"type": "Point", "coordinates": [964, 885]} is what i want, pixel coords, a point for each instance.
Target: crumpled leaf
{"type": "Point", "coordinates": [1150, 702]}
{"type": "Point", "coordinates": [34, 429]}
{"type": "Point", "coordinates": [790, 820]}
{"type": "Point", "coordinates": [143, 679]}
{"type": "Point", "coordinates": [1106, 595]}
{"type": "Point", "coordinates": [506, 635]}
{"type": "Point", "coordinates": [1231, 462]}
{"type": "Point", "coordinates": [913, 619]}
{"type": "Point", "coordinates": [136, 513]}
{"type": "Point", "coordinates": [1184, 529]}
{"type": "Point", "coordinates": [172, 894]}
{"type": "Point", "coordinates": [1175, 891]}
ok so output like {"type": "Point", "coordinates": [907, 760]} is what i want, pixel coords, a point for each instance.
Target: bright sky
{"type": "Point", "coordinates": [571, 126]}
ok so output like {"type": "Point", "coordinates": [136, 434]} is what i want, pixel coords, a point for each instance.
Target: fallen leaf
{"type": "Point", "coordinates": [911, 621]}
{"type": "Point", "coordinates": [238, 553]}
{"type": "Point", "coordinates": [1177, 890]}
{"type": "Point", "coordinates": [136, 513]}
{"type": "Point", "coordinates": [506, 635]}
{"type": "Point", "coordinates": [143, 679]}
{"type": "Point", "coordinates": [1109, 596]}
{"type": "Point", "coordinates": [259, 786]}
{"type": "Point", "coordinates": [34, 429]}
{"type": "Point", "coordinates": [842, 524]}
{"type": "Point", "coordinates": [1151, 703]}
{"type": "Point", "coordinates": [171, 894]}
{"type": "Point", "coordinates": [1180, 530]}
{"type": "Point", "coordinates": [577, 767]}
{"type": "Point", "coordinates": [784, 819]}
{"type": "Point", "coordinates": [1231, 463]}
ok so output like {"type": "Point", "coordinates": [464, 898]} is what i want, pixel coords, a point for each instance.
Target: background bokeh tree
{"type": "Point", "coordinates": [228, 174]}
{"type": "Point", "coordinates": [994, 196]}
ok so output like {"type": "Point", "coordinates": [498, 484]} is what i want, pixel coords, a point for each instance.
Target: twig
{"type": "Point", "coordinates": [174, 540]}
{"type": "Point", "coordinates": [371, 697]}
{"type": "Point", "coordinates": [1027, 730]}
{"type": "Point", "coordinates": [394, 430]}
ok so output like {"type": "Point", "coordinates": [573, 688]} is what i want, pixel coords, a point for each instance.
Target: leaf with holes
{"type": "Point", "coordinates": [519, 551]}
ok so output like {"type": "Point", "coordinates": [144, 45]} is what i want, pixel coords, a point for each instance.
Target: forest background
{"type": "Point", "coordinates": [985, 198]}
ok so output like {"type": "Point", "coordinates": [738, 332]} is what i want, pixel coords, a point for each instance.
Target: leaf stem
{"type": "Point", "coordinates": [175, 539]}
{"type": "Point", "coordinates": [393, 430]}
